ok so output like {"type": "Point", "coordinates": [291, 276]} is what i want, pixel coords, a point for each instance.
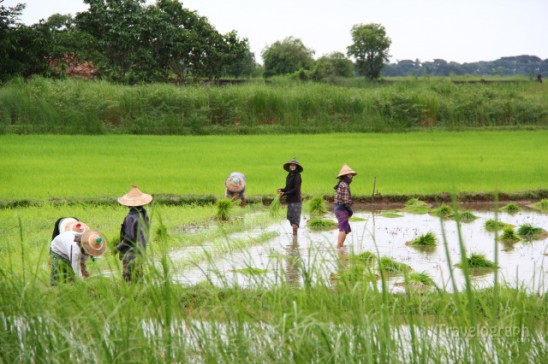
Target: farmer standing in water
{"type": "Point", "coordinates": [133, 234]}
{"type": "Point", "coordinates": [292, 193]}
{"type": "Point", "coordinates": [343, 203]}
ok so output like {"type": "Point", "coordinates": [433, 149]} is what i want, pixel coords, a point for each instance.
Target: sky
{"type": "Point", "coordinates": [454, 30]}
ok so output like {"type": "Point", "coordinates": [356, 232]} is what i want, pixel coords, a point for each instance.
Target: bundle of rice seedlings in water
{"type": "Point", "coordinates": [479, 261]}
{"type": "Point", "coordinates": [317, 223]}
{"type": "Point", "coordinates": [529, 231]}
{"type": "Point", "coordinates": [223, 209]}
{"type": "Point", "coordinates": [389, 265]}
{"type": "Point", "coordinates": [428, 239]}
{"type": "Point", "coordinates": [274, 207]}
{"type": "Point", "coordinates": [443, 211]}
{"type": "Point", "coordinates": [494, 225]}
{"type": "Point", "coordinates": [416, 206]}
{"type": "Point", "coordinates": [317, 206]}
{"type": "Point", "coordinates": [542, 205]}
{"type": "Point", "coordinates": [366, 258]}
{"type": "Point", "coordinates": [422, 278]}
{"type": "Point", "coordinates": [511, 208]}
{"type": "Point", "coordinates": [465, 216]}
{"type": "Point", "coordinates": [509, 235]}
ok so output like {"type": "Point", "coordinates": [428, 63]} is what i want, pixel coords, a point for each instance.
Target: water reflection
{"type": "Point", "coordinates": [293, 263]}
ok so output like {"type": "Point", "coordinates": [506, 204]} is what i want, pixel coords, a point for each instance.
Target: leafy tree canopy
{"type": "Point", "coordinates": [369, 48]}
{"type": "Point", "coordinates": [287, 56]}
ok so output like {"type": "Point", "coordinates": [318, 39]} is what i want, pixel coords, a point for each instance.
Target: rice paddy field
{"type": "Point", "coordinates": [42, 167]}
{"type": "Point", "coordinates": [416, 283]}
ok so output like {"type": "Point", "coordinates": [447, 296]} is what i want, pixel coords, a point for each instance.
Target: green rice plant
{"type": "Point", "coordinates": [204, 170]}
{"type": "Point", "coordinates": [479, 261]}
{"type": "Point", "coordinates": [358, 268]}
{"type": "Point", "coordinates": [274, 208]}
{"type": "Point", "coordinates": [495, 225]}
{"type": "Point", "coordinates": [444, 211]}
{"type": "Point", "coordinates": [509, 235]}
{"type": "Point", "coordinates": [367, 258]}
{"type": "Point", "coordinates": [424, 240]}
{"type": "Point", "coordinates": [511, 208]}
{"type": "Point", "coordinates": [390, 266]}
{"type": "Point", "coordinates": [416, 206]}
{"type": "Point", "coordinates": [530, 232]}
{"type": "Point", "coordinates": [223, 209]}
{"type": "Point", "coordinates": [420, 277]}
{"type": "Point", "coordinates": [542, 205]}
{"type": "Point", "coordinates": [465, 216]}
{"type": "Point", "coordinates": [317, 223]}
{"type": "Point", "coordinates": [317, 206]}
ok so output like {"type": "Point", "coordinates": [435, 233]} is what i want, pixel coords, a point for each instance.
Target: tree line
{"type": "Point", "coordinates": [128, 41]}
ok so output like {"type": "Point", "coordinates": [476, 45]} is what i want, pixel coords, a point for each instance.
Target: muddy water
{"type": "Point", "coordinates": [313, 254]}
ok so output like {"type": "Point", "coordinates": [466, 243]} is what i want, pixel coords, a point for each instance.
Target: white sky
{"type": "Point", "coordinates": [453, 30]}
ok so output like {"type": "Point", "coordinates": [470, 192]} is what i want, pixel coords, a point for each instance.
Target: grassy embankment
{"type": "Point", "coordinates": [77, 107]}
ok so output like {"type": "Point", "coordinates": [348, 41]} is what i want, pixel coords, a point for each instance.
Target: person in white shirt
{"type": "Point", "coordinates": [69, 249]}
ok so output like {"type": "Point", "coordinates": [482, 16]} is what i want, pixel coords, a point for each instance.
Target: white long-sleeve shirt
{"type": "Point", "coordinates": [64, 245]}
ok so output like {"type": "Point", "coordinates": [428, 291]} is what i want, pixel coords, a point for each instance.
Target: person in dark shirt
{"type": "Point", "coordinates": [133, 234]}
{"type": "Point", "coordinates": [292, 193]}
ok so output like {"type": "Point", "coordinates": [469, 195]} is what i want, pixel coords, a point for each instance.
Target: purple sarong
{"type": "Point", "coordinates": [342, 218]}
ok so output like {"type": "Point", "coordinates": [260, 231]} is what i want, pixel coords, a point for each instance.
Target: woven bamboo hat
{"type": "Point", "coordinates": [135, 198]}
{"type": "Point", "coordinates": [77, 226]}
{"type": "Point", "coordinates": [235, 184]}
{"type": "Point", "coordinates": [346, 170]}
{"type": "Point", "coordinates": [93, 243]}
{"type": "Point", "coordinates": [295, 162]}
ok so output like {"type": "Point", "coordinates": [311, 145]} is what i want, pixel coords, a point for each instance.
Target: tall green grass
{"type": "Point", "coordinates": [105, 320]}
{"type": "Point", "coordinates": [104, 167]}
{"type": "Point", "coordinates": [95, 107]}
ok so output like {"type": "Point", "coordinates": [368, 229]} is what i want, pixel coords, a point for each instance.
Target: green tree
{"type": "Point", "coordinates": [370, 49]}
{"type": "Point", "coordinates": [287, 56]}
{"type": "Point", "coordinates": [23, 49]}
{"type": "Point", "coordinates": [331, 66]}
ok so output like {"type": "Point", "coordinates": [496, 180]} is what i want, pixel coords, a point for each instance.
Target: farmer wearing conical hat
{"type": "Point", "coordinates": [67, 223]}
{"type": "Point", "coordinates": [235, 187]}
{"type": "Point", "coordinates": [70, 248]}
{"type": "Point", "coordinates": [343, 202]}
{"type": "Point", "coordinates": [292, 193]}
{"type": "Point", "coordinates": [133, 233]}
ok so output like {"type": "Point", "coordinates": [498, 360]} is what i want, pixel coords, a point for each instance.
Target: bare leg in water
{"type": "Point", "coordinates": [340, 239]}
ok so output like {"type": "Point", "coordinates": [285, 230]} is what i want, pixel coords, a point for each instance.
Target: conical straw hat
{"type": "Point", "coordinates": [135, 198]}
{"type": "Point", "coordinates": [346, 170]}
{"type": "Point", "coordinates": [93, 243]}
{"type": "Point", "coordinates": [77, 226]}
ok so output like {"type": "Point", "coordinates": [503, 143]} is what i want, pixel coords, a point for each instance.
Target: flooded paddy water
{"type": "Point", "coordinates": [312, 255]}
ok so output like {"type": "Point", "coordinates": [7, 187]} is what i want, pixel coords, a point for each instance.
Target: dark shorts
{"type": "Point", "coordinates": [342, 217]}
